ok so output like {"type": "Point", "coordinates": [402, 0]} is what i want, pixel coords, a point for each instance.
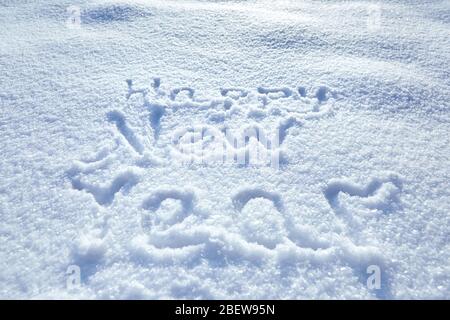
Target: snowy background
{"type": "Point", "coordinates": [92, 94]}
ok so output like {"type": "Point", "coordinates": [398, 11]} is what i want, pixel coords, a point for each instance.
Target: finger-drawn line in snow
{"type": "Point", "coordinates": [118, 119]}
{"type": "Point", "coordinates": [301, 91]}
{"type": "Point", "coordinates": [209, 145]}
{"type": "Point", "coordinates": [102, 160]}
{"type": "Point", "coordinates": [323, 93]}
{"type": "Point", "coordinates": [157, 100]}
{"type": "Point", "coordinates": [91, 244]}
{"type": "Point", "coordinates": [293, 100]}
{"type": "Point", "coordinates": [132, 91]}
{"type": "Point", "coordinates": [234, 93]}
{"type": "Point", "coordinates": [303, 237]}
{"type": "Point", "coordinates": [180, 237]}
{"type": "Point", "coordinates": [112, 13]}
{"type": "Point", "coordinates": [155, 106]}
{"type": "Point", "coordinates": [164, 236]}
{"type": "Point", "coordinates": [175, 92]}
{"type": "Point", "coordinates": [213, 240]}
{"type": "Point", "coordinates": [153, 203]}
{"type": "Point", "coordinates": [379, 193]}
{"type": "Point", "coordinates": [269, 229]}
{"type": "Point", "coordinates": [195, 242]}
{"type": "Point", "coordinates": [275, 93]}
{"type": "Point", "coordinates": [241, 198]}
{"type": "Point", "coordinates": [298, 238]}
{"type": "Point", "coordinates": [292, 106]}
{"type": "Point", "coordinates": [104, 194]}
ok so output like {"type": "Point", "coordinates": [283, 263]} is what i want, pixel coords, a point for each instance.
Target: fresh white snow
{"type": "Point", "coordinates": [128, 135]}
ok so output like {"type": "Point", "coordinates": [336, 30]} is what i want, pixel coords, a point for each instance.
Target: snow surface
{"type": "Point", "coordinates": [94, 115]}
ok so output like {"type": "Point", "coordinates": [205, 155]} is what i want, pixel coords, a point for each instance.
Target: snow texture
{"type": "Point", "coordinates": [224, 149]}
